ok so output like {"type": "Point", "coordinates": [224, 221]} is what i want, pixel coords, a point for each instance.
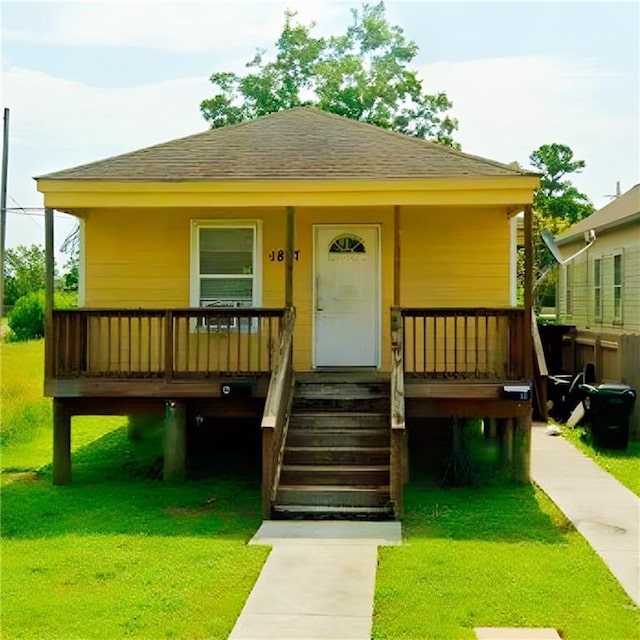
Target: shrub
{"type": "Point", "coordinates": [26, 320]}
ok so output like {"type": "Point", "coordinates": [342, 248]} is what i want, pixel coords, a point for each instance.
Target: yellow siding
{"type": "Point", "coordinates": [141, 258]}
{"type": "Point", "coordinates": [450, 257]}
{"type": "Point", "coordinates": [454, 257]}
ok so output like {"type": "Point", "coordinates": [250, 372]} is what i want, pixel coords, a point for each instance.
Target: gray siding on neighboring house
{"type": "Point", "coordinates": [581, 309]}
{"type": "Point", "coordinates": [609, 340]}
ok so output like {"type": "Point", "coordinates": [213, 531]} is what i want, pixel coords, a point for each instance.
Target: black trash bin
{"type": "Point", "coordinates": [608, 410]}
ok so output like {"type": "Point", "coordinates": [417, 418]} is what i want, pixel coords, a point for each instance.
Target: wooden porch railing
{"type": "Point", "coordinates": [475, 343]}
{"type": "Point", "coordinates": [275, 418]}
{"type": "Point", "coordinates": [162, 343]}
{"type": "Point", "coordinates": [399, 462]}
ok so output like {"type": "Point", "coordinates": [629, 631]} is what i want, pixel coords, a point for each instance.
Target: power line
{"type": "Point", "coordinates": [32, 211]}
{"type": "Point", "coordinates": [24, 212]}
{"type": "Point", "coordinates": [29, 211]}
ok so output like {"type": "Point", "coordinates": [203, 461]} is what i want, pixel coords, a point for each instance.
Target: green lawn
{"type": "Point", "coordinates": [490, 557]}
{"type": "Point", "coordinates": [25, 430]}
{"type": "Point", "coordinates": [117, 554]}
{"type": "Point", "coordinates": [623, 465]}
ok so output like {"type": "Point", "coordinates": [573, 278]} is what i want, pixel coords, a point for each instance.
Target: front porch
{"type": "Point", "coordinates": [192, 364]}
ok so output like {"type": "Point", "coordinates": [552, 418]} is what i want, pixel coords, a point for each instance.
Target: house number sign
{"type": "Point", "coordinates": [279, 255]}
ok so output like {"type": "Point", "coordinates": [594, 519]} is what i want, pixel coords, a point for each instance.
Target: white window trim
{"type": "Point", "coordinates": [598, 311]}
{"type": "Point", "coordinates": [196, 225]}
{"type": "Point", "coordinates": [618, 320]}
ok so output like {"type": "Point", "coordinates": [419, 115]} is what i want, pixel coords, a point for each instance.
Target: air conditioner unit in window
{"type": "Point", "coordinates": [215, 322]}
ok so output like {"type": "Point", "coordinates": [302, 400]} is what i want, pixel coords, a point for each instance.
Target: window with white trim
{"type": "Point", "coordinates": [617, 288]}
{"type": "Point", "coordinates": [597, 288]}
{"type": "Point", "coordinates": [224, 265]}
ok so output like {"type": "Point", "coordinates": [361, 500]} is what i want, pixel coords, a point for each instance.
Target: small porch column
{"type": "Point", "coordinates": [61, 443]}
{"type": "Point", "coordinates": [505, 430]}
{"type": "Point", "coordinates": [527, 338]}
{"type": "Point", "coordinates": [48, 295]}
{"type": "Point", "coordinates": [522, 450]}
{"type": "Point", "coordinates": [175, 442]}
{"type": "Point", "coordinates": [289, 256]}
{"type": "Point", "coordinates": [397, 238]}
{"type": "Point", "coordinates": [490, 428]}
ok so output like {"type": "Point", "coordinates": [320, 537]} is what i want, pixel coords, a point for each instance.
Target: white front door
{"type": "Point", "coordinates": [346, 297]}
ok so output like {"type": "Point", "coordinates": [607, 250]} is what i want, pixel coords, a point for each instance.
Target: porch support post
{"type": "Point", "coordinates": [490, 428]}
{"type": "Point", "coordinates": [289, 256]}
{"type": "Point", "coordinates": [522, 450]}
{"type": "Point", "coordinates": [61, 443]}
{"type": "Point", "coordinates": [527, 338]}
{"type": "Point", "coordinates": [506, 443]}
{"type": "Point", "coordinates": [397, 235]}
{"type": "Point", "coordinates": [175, 442]}
{"type": "Point", "coordinates": [48, 297]}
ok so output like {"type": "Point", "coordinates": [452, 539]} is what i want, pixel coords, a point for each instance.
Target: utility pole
{"type": "Point", "coordinates": [3, 203]}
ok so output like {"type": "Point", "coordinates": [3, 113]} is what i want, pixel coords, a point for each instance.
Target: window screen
{"type": "Point", "coordinates": [226, 266]}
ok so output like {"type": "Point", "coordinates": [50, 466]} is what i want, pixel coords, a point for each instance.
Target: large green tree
{"type": "Point", "coordinates": [362, 74]}
{"type": "Point", "coordinates": [24, 272]}
{"type": "Point", "coordinates": [557, 205]}
{"type": "Point", "coordinates": [557, 197]}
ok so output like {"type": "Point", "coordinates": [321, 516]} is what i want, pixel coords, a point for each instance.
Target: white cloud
{"type": "Point", "coordinates": [56, 115]}
{"type": "Point", "coordinates": [507, 107]}
{"type": "Point", "coordinates": [57, 123]}
{"type": "Point", "coordinates": [171, 26]}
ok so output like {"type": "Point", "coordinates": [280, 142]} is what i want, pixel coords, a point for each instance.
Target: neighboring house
{"type": "Point", "coordinates": [599, 293]}
{"type": "Point", "coordinates": [300, 255]}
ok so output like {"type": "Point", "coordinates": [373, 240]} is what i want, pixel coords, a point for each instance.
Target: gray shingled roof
{"type": "Point", "coordinates": [298, 144]}
{"type": "Point", "coordinates": [618, 212]}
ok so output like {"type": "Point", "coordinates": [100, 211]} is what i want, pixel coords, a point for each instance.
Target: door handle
{"type": "Point", "coordinates": [318, 304]}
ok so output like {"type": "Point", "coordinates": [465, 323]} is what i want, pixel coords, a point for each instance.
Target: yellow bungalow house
{"type": "Point", "coordinates": [336, 279]}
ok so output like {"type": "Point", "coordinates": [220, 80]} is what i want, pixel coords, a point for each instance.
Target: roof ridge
{"type": "Point", "coordinates": [235, 125]}
{"type": "Point", "coordinates": [248, 149]}
{"type": "Point", "coordinates": [420, 141]}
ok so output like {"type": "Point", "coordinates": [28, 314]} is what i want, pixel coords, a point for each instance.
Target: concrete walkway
{"type": "Point", "coordinates": [605, 512]}
{"type": "Point", "coordinates": [318, 581]}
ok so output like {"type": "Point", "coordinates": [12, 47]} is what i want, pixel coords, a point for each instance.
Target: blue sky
{"type": "Point", "coordinates": [89, 80]}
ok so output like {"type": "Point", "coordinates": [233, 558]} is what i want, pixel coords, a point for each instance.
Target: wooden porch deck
{"type": "Point", "coordinates": [446, 363]}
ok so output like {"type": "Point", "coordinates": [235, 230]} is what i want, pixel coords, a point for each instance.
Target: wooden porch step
{"type": "Point", "coordinates": [333, 495]}
{"type": "Point", "coordinates": [336, 455]}
{"type": "Point", "coordinates": [337, 452]}
{"type": "Point", "coordinates": [347, 390]}
{"type": "Point", "coordinates": [337, 437]}
{"type": "Point", "coordinates": [334, 474]}
{"type": "Point", "coordinates": [324, 419]}
{"type": "Point", "coordinates": [341, 398]}
{"type": "Point", "coordinates": [322, 512]}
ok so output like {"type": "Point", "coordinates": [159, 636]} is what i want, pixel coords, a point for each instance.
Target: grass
{"type": "Point", "coordinates": [490, 557]}
{"type": "Point", "coordinates": [120, 555]}
{"type": "Point", "coordinates": [116, 554]}
{"type": "Point", "coordinates": [622, 465]}
{"type": "Point", "coordinates": [25, 429]}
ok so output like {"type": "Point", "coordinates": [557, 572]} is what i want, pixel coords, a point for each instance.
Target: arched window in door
{"type": "Point", "coordinates": [347, 243]}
